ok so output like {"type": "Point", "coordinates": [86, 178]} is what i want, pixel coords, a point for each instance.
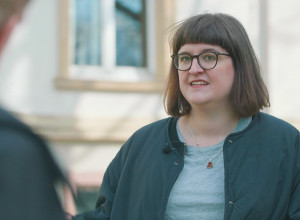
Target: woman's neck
{"type": "Point", "coordinates": [207, 127]}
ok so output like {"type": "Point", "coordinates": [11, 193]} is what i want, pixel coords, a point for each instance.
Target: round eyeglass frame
{"type": "Point", "coordinates": [174, 56]}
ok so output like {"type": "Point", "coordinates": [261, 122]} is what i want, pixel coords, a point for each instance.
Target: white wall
{"type": "Point", "coordinates": [284, 58]}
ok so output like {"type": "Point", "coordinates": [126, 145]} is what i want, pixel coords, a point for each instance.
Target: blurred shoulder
{"type": "Point", "coordinates": [18, 141]}
{"type": "Point", "coordinates": [8, 121]}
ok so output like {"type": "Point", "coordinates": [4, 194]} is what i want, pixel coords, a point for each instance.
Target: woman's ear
{"type": "Point", "coordinates": [7, 29]}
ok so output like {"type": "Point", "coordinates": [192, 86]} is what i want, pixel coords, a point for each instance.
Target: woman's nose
{"type": "Point", "coordinates": [195, 67]}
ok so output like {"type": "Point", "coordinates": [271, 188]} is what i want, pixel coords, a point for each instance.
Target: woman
{"type": "Point", "coordinates": [218, 156]}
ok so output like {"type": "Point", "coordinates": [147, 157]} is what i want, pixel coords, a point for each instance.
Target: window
{"type": "Point", "coordinates": [109, 44]}
{"type": "Point", "coordinates": [131, 33]}
{"type": "Point", "coordinates": [86, 32]}
{"type": "Point", "coordinates": [109, 40]}
{"type": "Point", "coordinates": [124, 27]}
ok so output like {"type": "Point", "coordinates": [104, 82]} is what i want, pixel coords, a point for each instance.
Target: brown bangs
{"type": "Point", "coordinates": [200, 29]}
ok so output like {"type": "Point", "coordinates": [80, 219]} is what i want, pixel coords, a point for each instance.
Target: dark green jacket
{"type": "Point", "coordinates": [28, 173]}
{"type": "Point", "coordinates": [262, 173]}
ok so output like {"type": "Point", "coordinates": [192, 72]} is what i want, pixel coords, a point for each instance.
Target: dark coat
{"type": "Point", "coordinates": [27, 174]}
{"type": "Point", "coordinates": [261, 163]}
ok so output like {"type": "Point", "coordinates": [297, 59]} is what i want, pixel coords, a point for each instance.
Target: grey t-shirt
{"type": "Point", "coordinates": [198, 193]}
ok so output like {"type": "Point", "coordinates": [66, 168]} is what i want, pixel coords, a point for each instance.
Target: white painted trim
{"type": "Point", "coordinates": [118, 74]}
{"type": "Point", "coordinates": [151, 33]}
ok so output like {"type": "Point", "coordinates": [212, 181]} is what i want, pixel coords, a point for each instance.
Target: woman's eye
{"type": "Point", "coordinates": [209, 57]}
{"type": "Point", "coordinates": [185, 58]}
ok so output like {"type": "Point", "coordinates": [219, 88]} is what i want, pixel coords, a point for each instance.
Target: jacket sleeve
{"type": "Point", "coordinates": [294, 207]}
{"type": "Point", "coordinates": [108, 187]}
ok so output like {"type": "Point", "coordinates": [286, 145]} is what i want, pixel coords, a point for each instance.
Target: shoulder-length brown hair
{"type": "Point", "coordinates": [249, 93]}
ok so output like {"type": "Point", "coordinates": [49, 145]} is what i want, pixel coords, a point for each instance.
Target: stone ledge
{"type": "Point", "coordinates": [74, 129]}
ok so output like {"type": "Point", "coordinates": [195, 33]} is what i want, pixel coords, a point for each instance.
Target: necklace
{"type": "Point", "coordinates": [210, 160]}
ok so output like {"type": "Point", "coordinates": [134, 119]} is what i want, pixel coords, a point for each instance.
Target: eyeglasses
{"type": "Point", "coordinates": [206, 60]}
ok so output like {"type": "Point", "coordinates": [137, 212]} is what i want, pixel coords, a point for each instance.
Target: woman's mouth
{"type": "Point", "coordinates": [197, 83]}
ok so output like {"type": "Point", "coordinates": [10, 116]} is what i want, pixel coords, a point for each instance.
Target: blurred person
{"type": "Point", "coordinates": [28, 172]}
{"type": "Point", "coordinates": [218, 156]}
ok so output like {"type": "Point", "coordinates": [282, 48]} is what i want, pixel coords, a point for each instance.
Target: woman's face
{"type": "Point", "coordinates": [206, 87]}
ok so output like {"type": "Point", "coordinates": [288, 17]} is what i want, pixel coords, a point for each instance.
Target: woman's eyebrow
{"type": "Point", "coordinates": [211, 49]}
{"type": "Point", "coordinates": [184, 52]}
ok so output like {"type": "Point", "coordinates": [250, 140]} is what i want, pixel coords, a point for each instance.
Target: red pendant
{"type": "Point", "coordinates": [209, 165]}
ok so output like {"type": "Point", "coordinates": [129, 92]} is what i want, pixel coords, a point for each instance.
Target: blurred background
{"type": "Point", "coordinates": [86, 74]}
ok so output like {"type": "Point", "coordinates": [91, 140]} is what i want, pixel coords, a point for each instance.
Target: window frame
{"type": "Point", "coordinates": [68, 77]}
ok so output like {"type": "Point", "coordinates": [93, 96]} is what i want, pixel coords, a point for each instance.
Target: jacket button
{"type": "Point", "coordinates": [175, 163]}
{"type": "Point", "coordinates": [230, 203]}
